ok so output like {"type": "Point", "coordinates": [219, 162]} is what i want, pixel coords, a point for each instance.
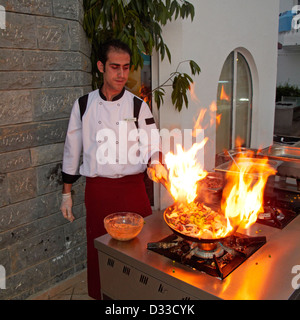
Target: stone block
{"type": "Point", "coordinates": [24, 212]}
{"type": "Point", "coordinates": [30, 60]}
{"type": "Point", "coordinates": [68, 9]}
{"type": "Point", "coordinates": [79, 41]}
{"type": "Point", "coordinates": [24, 280]}
{"type": "Point", "coordinates": [53, 60]}
{"type": "Point", "coordinates": [36, 7]}
{"type": "Point", "coordinates": [15, 107]}
{"type": "Point", "coordinates": [52, 33]}
{"type": "Point", "coordinates": [22, 185]}
{"type": "Point", "coordinates": [13, 161]}
{"type": "Point", "coordinates": [54, 103]}
{"type": "Point", "coordinates": [33, 134]}
{"type": "Point", "coordinates": [58, 79]}
{"type": "Point", "coordinates": [49, 178]}
{"type": "Point", "coordinates": [4, 191]}
{"type": "Point", "coordinates": [34, 250]}
{"type": "Point", "coordinates": [12, 59]}
{"type": "Point", "coordinates": [47, 79]}
{"type": "Point", "coordinates": [31, 229]}
{"type": "Point", "coordinates": [68, 259]}
{"type": "Point", "coordinates": [20, 31]}
{"type": "Point", "coordinates": [46, 154]}
{"type": "Point", "coordinates": [82, 79]}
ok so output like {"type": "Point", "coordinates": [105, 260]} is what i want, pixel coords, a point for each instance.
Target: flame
{"type": "Point", "coordinates": [224, 95]}
{"type": "Point", "coordinates": [145, 93]}
{"type": "Point", "coordinates": [185, 172]}
{"type": "Point", "coordinates": [192, 92]}
{"type": "Point", "coordinates": [242, 198]}
{"type": "Point", "coordinates": [198, 122]}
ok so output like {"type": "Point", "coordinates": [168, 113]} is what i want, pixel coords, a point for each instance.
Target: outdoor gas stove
{"type": "Point", "coordinates": [256, 263]}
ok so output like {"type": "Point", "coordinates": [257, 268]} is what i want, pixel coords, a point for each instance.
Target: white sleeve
{"type": "Point", "coordinates": [150, 142]}
{"type": "Point", "coordinates": [73, 144]}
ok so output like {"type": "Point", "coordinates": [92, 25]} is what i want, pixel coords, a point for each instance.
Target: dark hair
{"type": "Point", "coordinates": [114, 44]}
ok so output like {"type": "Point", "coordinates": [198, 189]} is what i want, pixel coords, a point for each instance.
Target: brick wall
{"type": "Point", "coordinates": [44, 67]}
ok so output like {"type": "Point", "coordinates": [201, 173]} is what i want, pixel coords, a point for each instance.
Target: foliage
{"type": "Point", "coordinates": [180, 84]}
{"type": "Point", "coordinates": [287, 90]}
{"type": "Point", "coordinates": [138, 23]}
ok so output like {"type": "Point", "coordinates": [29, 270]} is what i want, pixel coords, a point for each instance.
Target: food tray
{"type": "Point", "coordinates": [282, 153]}
{"type": "Point", "coordinates": [226, 167]}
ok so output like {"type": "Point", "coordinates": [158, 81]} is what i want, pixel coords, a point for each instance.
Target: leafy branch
{"type": "Point", "coordinates": [180, 83]}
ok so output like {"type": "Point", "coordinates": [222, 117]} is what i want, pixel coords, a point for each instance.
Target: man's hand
{"type": "Point", "coordinates": [66, 206]}
{"type": "Point", "coordinates": [157, 172]}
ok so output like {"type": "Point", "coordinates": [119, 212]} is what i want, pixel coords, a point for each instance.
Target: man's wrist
{"type": "Point", "coordinates": [67, 188]}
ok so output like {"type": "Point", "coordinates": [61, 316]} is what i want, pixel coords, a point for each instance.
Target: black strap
{"type": "Point", "coordinates": [82, 104]}
{"type": "Point", "coordinates": [137, 103]}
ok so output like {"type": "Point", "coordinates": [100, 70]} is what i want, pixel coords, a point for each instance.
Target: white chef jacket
{"type": "Point", "coordinates": [108, 138]}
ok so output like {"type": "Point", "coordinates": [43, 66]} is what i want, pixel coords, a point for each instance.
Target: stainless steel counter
{"type": "Point", "coordinates": [266, 275]}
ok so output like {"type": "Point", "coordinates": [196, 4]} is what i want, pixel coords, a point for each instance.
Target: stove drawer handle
{"type": "Point", "coordinates": [144, 279]}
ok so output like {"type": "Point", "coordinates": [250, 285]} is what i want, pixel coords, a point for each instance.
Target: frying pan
{"type": "Point", "coordinates": [191, 238]}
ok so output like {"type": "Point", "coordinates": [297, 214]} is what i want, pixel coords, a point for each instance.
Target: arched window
{"type": "Point", "coordinates": [234, 103]}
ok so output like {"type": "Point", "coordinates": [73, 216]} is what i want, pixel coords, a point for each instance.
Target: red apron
{"type": "Point", "coordinates": [102, 197]}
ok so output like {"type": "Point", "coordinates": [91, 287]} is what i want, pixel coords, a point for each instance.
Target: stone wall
{"type": "Point", "coordinates": [44, 67]}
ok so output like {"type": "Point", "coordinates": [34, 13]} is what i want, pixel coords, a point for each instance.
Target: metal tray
{"type": "Point", "coordinates": [226, 167]}
{"type": "Point", "coordinates": [282, 153]}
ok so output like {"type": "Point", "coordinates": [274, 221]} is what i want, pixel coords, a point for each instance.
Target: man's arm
{"type": "Point", "coordinates": [72, 151]}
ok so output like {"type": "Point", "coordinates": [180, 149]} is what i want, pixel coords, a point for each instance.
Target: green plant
{"type": "Point", "coordinates": [138, 23]}
{"type": "Point", "coordinates": [287, 90]}
{"type": "Point", "coordinates": [180, 83]}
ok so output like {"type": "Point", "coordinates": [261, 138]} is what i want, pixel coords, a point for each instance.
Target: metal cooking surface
{"type": "Point", "coordinates": [283, 153]}
{"type": "Point", "coordinates": [267, 274]}
{"type": "Point", "coordinates": [226, 167]}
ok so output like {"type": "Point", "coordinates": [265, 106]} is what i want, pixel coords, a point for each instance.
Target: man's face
{"type": "Point", "coordinates": [116, 71]}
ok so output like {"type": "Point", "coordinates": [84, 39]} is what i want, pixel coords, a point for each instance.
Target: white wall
{"type": "Point", "coordinates": [288, 67]}
{"type": "Point", "coordinates": [286, 5]}
{"type": "Point", "coordinates": [219, 27]}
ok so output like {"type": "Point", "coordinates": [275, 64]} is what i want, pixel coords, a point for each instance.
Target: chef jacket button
{"type": "Point", "coordinates": [118, 104]}
{"type": "Point", "coordinates": [117, 160]}
{"type": "Point", "coordinates": [117, 123]}
{"type": "Point", "coordinates": [99, 141]}
{"type": "Point", "coordinates": [99, 122]}
{"type": "Point", "coordinates": [117, 142]}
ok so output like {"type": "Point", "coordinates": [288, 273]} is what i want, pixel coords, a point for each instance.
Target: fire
{"type": "Point", "coordinates": [224, 95]}
{"type": "Point", "coordinates": [242, 199]}
{"type": "Point", "coordinates": [185, 172]}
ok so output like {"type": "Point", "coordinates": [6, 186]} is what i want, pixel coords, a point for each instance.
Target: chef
{"type": "Point", "coordinates": [117, 146]}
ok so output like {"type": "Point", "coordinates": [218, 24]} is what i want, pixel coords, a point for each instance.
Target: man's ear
{"type": "Point", "coordinates": [100, 66]}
